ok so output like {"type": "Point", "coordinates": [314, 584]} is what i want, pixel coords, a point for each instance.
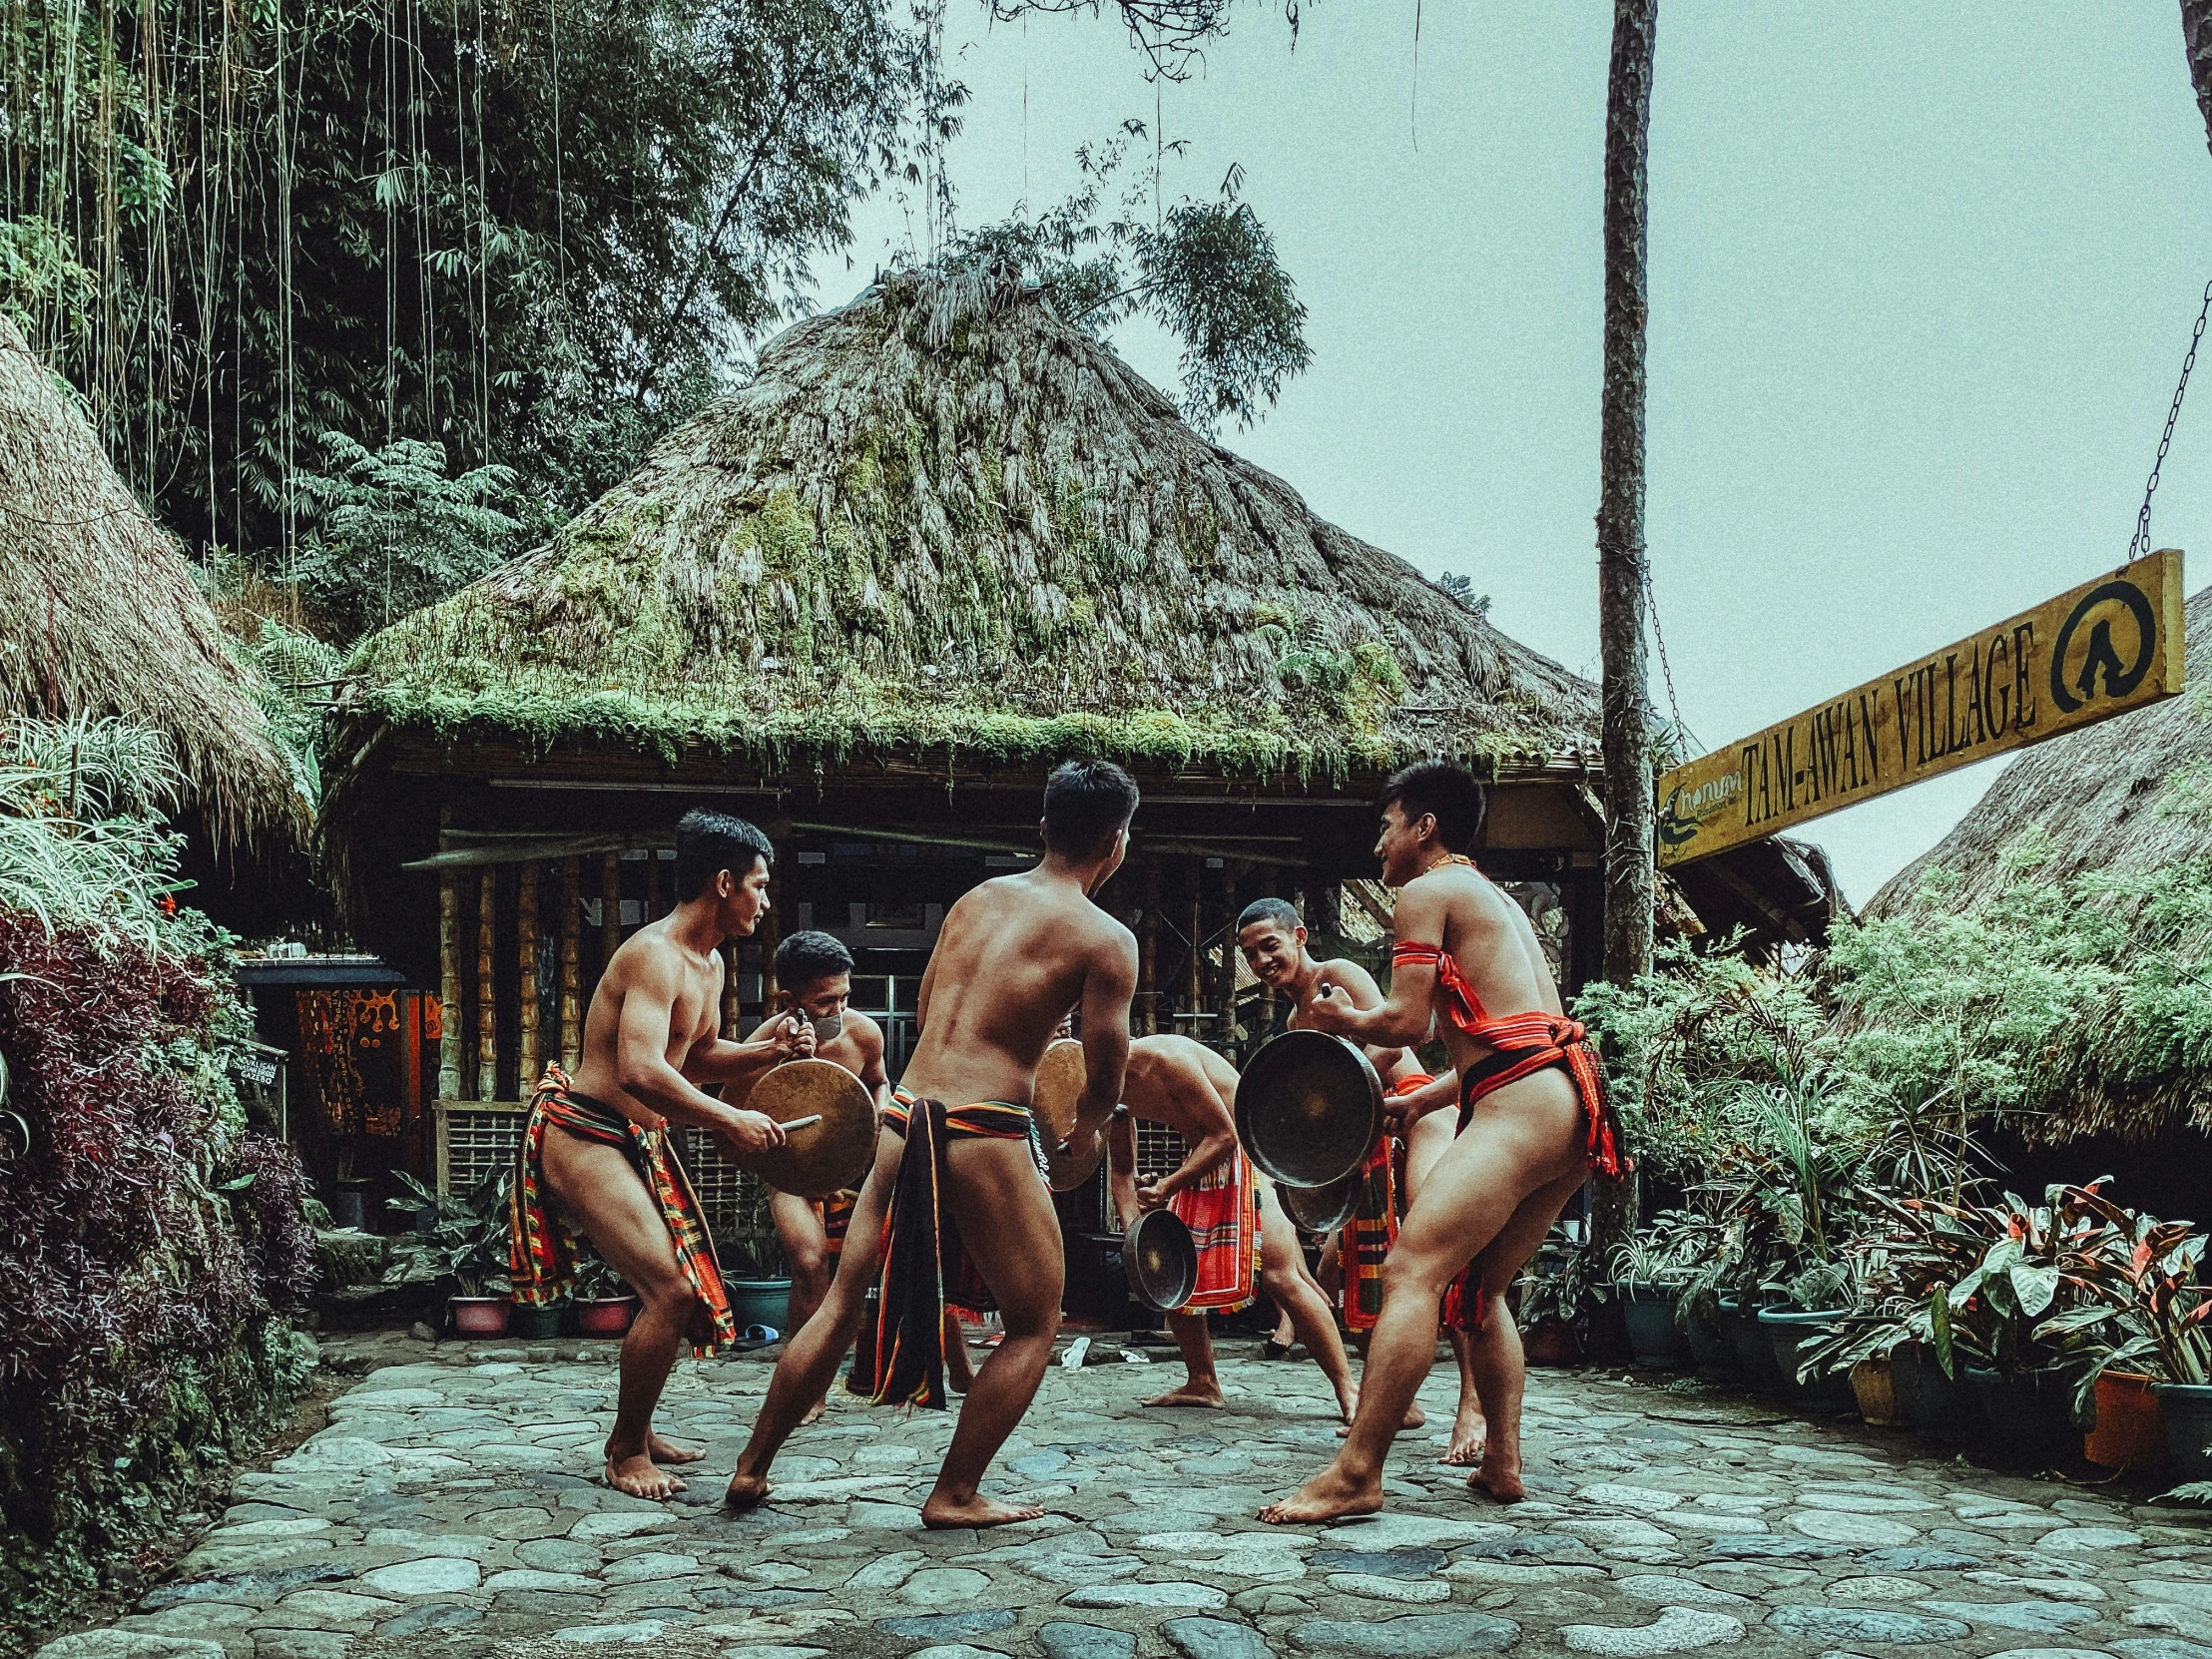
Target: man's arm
{"type": "Point", "coordinates": [874, 1077]}
{"type": "Point", "coordinates": [1109, 984]}
{"type": "Point", "coordinates": [642, 1068]}
{"type": "Point", "coordinates": [1402, 1019]}
{"type": "Point", "coordinates": [738, 1066]}
{"type": "Point", "coordinates": [1209, 1151]}
{"type": "Point", "coordinates": [1365, 993]}
{"type": "Point", "coordinates": [1405, 1110]}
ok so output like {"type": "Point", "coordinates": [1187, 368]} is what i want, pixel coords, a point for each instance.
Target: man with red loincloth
{"type": "Point", "coordinates": [1229, 1206]}
{"type": "Point", "coordinates": [595, 1155]}
{"type": "Point", "coordinates": [1274, 941]}
{"type": "Point", "coordinates": [959, 1183]}
{"type": "Point", "coordinates": [1533, 1126]}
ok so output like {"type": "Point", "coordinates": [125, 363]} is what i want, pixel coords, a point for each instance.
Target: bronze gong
{"type": "Point", "coordinates": [1058, 1090]}
{"type": "Point", "coordinates": [824, 1156]}
{"type": "Point", "coordinates": [1322, 1209]}
{"type": "Point", "coordinates": [1161, 1260]}
{"type": "Point", "coordinates": [1309, 1108]}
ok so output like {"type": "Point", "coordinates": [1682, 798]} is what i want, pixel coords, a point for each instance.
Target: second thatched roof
{"type": "Point", "coordinates": [942, 519]}
{"type": "Point", "coordinates": [2101, 800]}
{"type": "Point", "coordinates": [100, 614]}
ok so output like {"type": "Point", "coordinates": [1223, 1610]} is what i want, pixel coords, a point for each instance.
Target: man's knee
{"type": "Point", "coordinates": [1415, 1272]}
{"type": "Point", "coordinates": [666, 1293]}
{"type": "Point", "coordinates": [809, 1263]}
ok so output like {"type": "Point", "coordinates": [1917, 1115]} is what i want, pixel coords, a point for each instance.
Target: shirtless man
{"type": "Point", "coordinates": [1272, 938]}
{"type": "Point", "coordinates": [1015, 955]}
{"type": "Point", "coordinates": [1187, 1086]}
{"type": "Point", "coordinates": [814, 972]}
{"type": "Point", "coordinates": [597, 1147]}
{"type": "Point", "coordinates": [1536, 1127]}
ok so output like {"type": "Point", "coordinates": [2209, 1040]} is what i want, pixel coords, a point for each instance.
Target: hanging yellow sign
{"type": "Point", "coordinates": [2101, 649]}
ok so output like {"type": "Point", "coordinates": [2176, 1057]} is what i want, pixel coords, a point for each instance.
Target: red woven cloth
{"type": "Point", "coordinates": [1364, 1244]}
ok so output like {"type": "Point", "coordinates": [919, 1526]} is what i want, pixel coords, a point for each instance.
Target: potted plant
{"type": "Point", "coordinates": [1555, 1296]}
{"type": "Point", "coordinates": [1651, 1273]}
{"type": "Point", "coordinates": [464, 1252]}
{"type": "Point", "coordinates": [2147, 1272]}
{"type": "Point", "coordinates": [604, 1305]}
{"type": "Point", "coordinates": [752, 1268]}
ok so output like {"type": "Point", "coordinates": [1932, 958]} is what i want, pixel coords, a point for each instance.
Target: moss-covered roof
{"type": "Point", "coordinates": [942, 518]}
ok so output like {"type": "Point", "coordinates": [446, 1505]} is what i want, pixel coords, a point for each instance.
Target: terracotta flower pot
{"type": "Point", "coordinates": [1550, 1342]}
{"type": "Point", "coordinates": [605, 1315]}
{"type": "Point", "coordinates": [1875, 1388]}
{"type": "Point", "coordinates": [480, 1316]}
{"type": "Point", "coordinates": [2130, 1432]}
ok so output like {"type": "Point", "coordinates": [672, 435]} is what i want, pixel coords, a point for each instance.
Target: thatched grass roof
{"type": "Point", "coordinates": [2100, 800]}
{"type": "Point", "coordinates": [942, 518]}
{"type": "Point", "coordinates": [100, 614]}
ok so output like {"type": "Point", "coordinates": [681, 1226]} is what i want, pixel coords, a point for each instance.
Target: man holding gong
{"type": "Point", "coordinates": [1533, 1126]}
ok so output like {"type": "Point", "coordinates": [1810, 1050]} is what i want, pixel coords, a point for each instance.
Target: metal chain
{"type": "Point", "coordinates": [2141, 544]}
{"type": "Point", "coordinates": [1666, 669]}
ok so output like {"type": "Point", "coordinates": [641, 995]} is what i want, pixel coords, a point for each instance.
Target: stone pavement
{"type": "Point", "coordinates": [450, 1509]}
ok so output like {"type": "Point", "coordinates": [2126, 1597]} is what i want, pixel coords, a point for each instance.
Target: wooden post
{"type": "Point", "coordinates": [449, 986]}
{"type": "Point", "coordinates": [1194, 998]}
{"type": "Point", "coordinates": [1267, 992]}
{"type": "Point", "coordinates": [733, 1011]}
{"type": "Point", "coordinates": [1148, 951]}
{"type": "Point", "coordinates": [1226, 992]}
{"type": "Point", "coordinates": [610, 909]}
{"type": "Point", "coordinates": [766, 937]}
{"type": "Point", "coordinates": [487, 998]}
{"type": "Point", "coordinates": [652, 882]}
{"type": "Point", "coordinates": [526, 959]}
{"type": "Point", "coordinates": [571, 967]}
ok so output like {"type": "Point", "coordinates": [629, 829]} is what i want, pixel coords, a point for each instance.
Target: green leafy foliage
{"type": "Point", "coordinates": [464, 1250]}
{"type": "Point", "coordinates": [1206, 272]}
{"type": "Point", "coordinates": [394, 531]}
{"type": "Point", "coordinates": [532, 234]}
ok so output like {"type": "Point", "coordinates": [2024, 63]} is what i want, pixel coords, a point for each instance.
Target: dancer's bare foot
{"type": "Point", "coordinates": [816, 1412]}
{"type": "Point", "coordinates": [1192, 1394]}
{"type": "Point", "coordinates": [1325, 1498]}
{"type": "Point", "coordinates": [1498, 1481]}
{"type": "Point", "coordinates": [745, 1492]}
{"type": "Point", "coordinates": [1467, 1434]}
{"type": "Point", "coordinates": [1415, 1417]}
{"type": "Point", "coordinates": [668, 1451]}
{"type": "Point", "coordinates": [640, 1477]}
{"type": "Point", "coordinates": [941, 1513]}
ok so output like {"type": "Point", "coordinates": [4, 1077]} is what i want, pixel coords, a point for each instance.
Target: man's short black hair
{"type": "Point", "coordinates": [707, 843]}
{"type": "Point", "coordinates": [1449, 790]}
{"type": "Point", "coordinates": [808, 958]}
{"type": "Point", "coordinates": [1280, 912]}
{"type": "Point", "coordinates": [1086, 803]}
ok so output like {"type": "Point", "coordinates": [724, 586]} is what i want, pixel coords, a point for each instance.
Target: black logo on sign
{"type": "Point", "coordinates": [2120, 678]}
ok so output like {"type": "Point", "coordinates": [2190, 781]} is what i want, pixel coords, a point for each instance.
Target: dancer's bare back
{"type": "Point", "coordinates": [1014, 955]}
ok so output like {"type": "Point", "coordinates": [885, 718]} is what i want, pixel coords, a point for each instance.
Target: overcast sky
{"type": "Point", "coordinates": [1922, 279]}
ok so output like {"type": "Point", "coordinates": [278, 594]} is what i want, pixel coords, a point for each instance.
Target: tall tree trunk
{"type": "Point", "coordinates": [2196, 38]}
{"type": "Point", "coordinates": [1620, 511]}
{"type": "Point", "coordinates": [1620, 545]}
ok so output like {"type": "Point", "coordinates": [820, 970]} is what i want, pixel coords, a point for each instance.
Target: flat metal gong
{"type": "Point", "coordinates": [1309, 1109]}
{"type": "Point", "coordinates": [828, 1155]}
{"type": "Point", "coordinates": [1161, 1260]}
{"type": "Point", "coordinates": [1323, 1209]}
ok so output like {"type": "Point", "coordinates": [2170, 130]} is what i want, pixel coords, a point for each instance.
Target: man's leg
{"type": "Point", "coordinates": [1200, 1384]}
{"type": "Point", "coordinates": [601, 1193]}
{"type": "Point", "coordinates": [1429, 1140]}
{"type": "Point", "coordinates": [1007, 1223]}
{"type": "Point", "coordinates": [959, 1371]}
{"type": "Point", "coordinates": [809, 1361]}
{"type": "Point", "coordinates": [1525, 1137]}
{"type": "Point", "coordinates": [1291, 1289]}
{"type": "Point", "coordinates": [1494, 1352]}
{"type": "Point", "coordinates": [806, 1252]}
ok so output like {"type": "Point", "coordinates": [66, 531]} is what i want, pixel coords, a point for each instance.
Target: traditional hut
{"type": "Point", "coordinates": [939, 542]}
{"type": "Point", "coordinates": [100, 615]}
{"type": "Point", "coordinates": [2100, 800]}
